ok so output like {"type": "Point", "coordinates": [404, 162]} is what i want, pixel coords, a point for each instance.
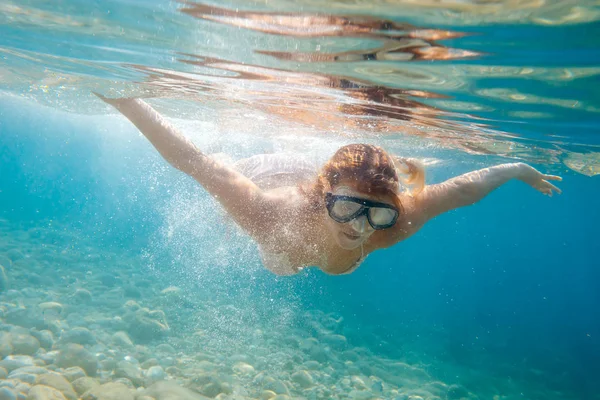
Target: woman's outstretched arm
{"type": "Point", "coordinates": [240, 197]}
{"type": "Point", "coordinates": [471, 187]}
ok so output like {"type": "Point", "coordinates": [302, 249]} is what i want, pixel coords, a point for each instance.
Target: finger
{"type": "Point", "coordinates": [552, 178]}
{"type": "Point", "coordinates": [552, 187]}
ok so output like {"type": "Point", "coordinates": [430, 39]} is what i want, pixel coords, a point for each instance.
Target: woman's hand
{"type": "Point", "coordinates": [113, 102]}
{"type": "Point", "coordinates": [537, 180]}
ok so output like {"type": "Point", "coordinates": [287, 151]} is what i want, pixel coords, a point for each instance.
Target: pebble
{"type": "Point", "coordinates": [73, 373]}
{"type": "Point", "coordinates": [303, 379]}
{"type": "Point", "coordinates": [75, 355]}
{"type": "Point", "coordinates": [122, 339]}
{"type": "Point", "coordinates": [41, 392]}
{"type": "Point", "coordinates": [78, 335]}
{"type": "Point", "coordinates": [154, 374]}
{"type": "Point", "coordinates": [13, 362]}
{"type": "Point", "coordinates": [7, 394]}
{"type": "Point", "coordinates": [109, 391]}
{"type": "Point", "coordinates": [133, 372]}
{"type": "Point", "coordinates": [82, 385]}
{"type": "Point", "coordinates": [59, 383]}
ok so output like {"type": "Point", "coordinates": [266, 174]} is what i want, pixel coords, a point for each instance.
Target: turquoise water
{"type": "Point", "coordinates": [105, 246]}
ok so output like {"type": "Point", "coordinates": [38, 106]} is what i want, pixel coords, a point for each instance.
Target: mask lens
{"type": "Point", "coordinates": [382, 216]}
{"type": "Point", "coordinates": [345, 209]}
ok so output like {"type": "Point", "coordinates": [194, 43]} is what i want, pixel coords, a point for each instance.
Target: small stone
{"type": "Point", "coordinates": [83, 295]}
{"type": "Point", "coordinates": [109, 391]}
{"type": "Point", "coordinates": [73, 373]}
{"type": "Point", "coordinates": [146, 325]}
{"type": "Point", "coordinates": [24, 343]}
{"type": "Point", "coordinates": [41, 392]}
{"type": "Point", "coordinates": [165, 348]}
{"type": "Point", "coordinates": [51, 306]}
{"type": "Point", "coordinates": [23, 377]}
{"type": "Point", "coordinates": [267, 394]}
{"type": "Point", "coordinates": [75, 355]}
{"type": "Point", "coordinates": [151, 362]}
{"type": "Point", "coordinates": [13, 362]}
{"type": "Point", "coordinates": [457, 392]}
{"type": "Point", "coordinates": [82, 385]}
{"type": "Point", "coordinates": [155, 374]}
{"type": "Point", "coordinates": [122, 339]}
{"type": "Point", "coordinates": [3, 373]}
{"type": "Point", "coordinates": [78, 335]}
{"type": "Point", "coordinates": [45, 338]}
{"type": "Point", "coordinates": [243, 369]}
{"type": "Point", "coordinates": [275, 385]}
{"type": "Point", "coordinates": [7, 394]}
{"type": "Point", "coordinates": [303, 379]}
{"type": "Point", "coordinates": [337, 342]}
{"type": "Point", "coordinates": [312, 365]}
{"type": "Point", "coordinates": [59, 383]}
{"type": "Point", "coordinates": [130, 371]}
{"type": "Point", "coordinates": [360, 395]}
{"type": "Point", "coordinates": [167, 390]}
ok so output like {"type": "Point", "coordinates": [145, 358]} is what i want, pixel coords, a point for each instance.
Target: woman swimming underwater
{"type": "Point", "coordinates": [353, 207]}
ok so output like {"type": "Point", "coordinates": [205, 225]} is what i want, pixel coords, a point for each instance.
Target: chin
{"type": "Point", "coordinates": [349, 244]}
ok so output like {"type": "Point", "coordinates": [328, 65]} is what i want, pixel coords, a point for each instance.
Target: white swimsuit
{"type": "Point", "coordinates": [271, 171]}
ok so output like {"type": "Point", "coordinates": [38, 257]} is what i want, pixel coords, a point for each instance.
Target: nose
{"type": "Point", "coordinates": [360, 225]}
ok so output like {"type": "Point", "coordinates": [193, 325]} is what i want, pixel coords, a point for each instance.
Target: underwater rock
{"type": "Point", "coordinates": [7, 394]}
{"type": "Point", "coordinates": [267, 395]}
{"type": "Point", "coordinates": [125, 369]}
{"type": "Point", "coordinates": [24, 343]}
{"type": "Point", "coordinates": [154, 374]}
{"type": "Point", "coordinates": [73, 373]}
{"type": "Point", "coordinates": [25, 317]}
{"type": "Point", "coordinates": [82, 385]}
{"type": "Point", "coordinates": [3, 373]}
{"type": "Point", "coordinates": [51, 306]}
{"type": "Point", "coordinates": [132, 291]}
{"type": "Point", "coordinates": [41, 392]}
{"type": "Point", "coordinates": [57, 382]}
{"type": "Point", "coordinates": [209, 385]}
{"type": "Point", "coordinates": [79, 335]}
{"type": "Point", "coordinates": [3, 280]}
{"type": "Point", "coordinates": [75, 355]}
{"type": "Point", "coordinates": [5, 344]}
{"type": "Point", "coordinates": [151, 362]}
{"type": "Point", "coordinates": [109, 391]}
{"type": "Point", "coordinates": [337, 342]}
{"type": "Point", "coordinates": [121, 339]}
{"type": "Point", "coordinates": [146, 325]}
{"type": "Point", "coordinates": [11, 363]}
{"type": "Point", "coordinates": [108, 280]}
{"type": "Point", "coordinates": [457, 392]}
{"type": "Point", "coordinates": [45, 338]}
{"type": "Point", "coordinates": [302, 378]}
{"type": "Point", "coordinates": [82, 295]}
{"type": "Point", "coordinates": [166, 390]}
{"type": "Point", "coordinates": [275, 385]}
{"type": "Point", "coordinates": [243, 368]}
{"type": "Point", "coordinates": [14, 255]}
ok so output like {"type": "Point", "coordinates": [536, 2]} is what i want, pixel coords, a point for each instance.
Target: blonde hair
{"type": "Point", "coordinates": [373, 169]}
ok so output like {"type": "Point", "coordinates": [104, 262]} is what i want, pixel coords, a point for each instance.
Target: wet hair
{"type": "Point", "coordinates": [373, 171]}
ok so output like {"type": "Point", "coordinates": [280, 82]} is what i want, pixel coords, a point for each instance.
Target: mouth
{"type": "Point", "coordinates": [351, 237]}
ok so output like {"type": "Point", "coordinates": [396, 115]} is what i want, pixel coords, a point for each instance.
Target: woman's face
{"type": "Point", "coordinates": [352, 234]}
